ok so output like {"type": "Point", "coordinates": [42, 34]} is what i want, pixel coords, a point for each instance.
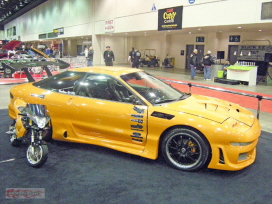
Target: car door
{"type": "Point", "coordinates": [101, 115]}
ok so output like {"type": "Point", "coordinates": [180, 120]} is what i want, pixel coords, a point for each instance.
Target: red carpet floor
{"type": "Point", "coordinates": [244, 101]}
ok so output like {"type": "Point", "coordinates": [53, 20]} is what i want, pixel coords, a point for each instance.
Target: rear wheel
{"type": "Point", "coordinates": [185, 149]}
{"type": "Point", "coordinates": [37, 155]}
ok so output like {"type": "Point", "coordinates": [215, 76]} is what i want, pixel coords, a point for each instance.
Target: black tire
{"type": "Point", "coordinates": [185, 149]}
{"type": "Point", "coordinates": [39, 157]}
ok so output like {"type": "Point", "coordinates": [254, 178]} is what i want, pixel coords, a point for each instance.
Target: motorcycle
{"type": "Point", "coordinates": [31, 126]}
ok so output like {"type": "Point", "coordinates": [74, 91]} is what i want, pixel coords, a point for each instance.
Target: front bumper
{"type": "Point", "coordinates": [234, 157]}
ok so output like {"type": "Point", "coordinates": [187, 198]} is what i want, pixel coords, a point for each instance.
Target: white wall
{"type": "Point", "coordinates": [79, 18]}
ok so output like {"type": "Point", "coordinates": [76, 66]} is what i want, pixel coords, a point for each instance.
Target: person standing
{"type": "Point", "coordinates": [131, 53]}
{"type": "Point", "coordinates": [207, 61]}
{"type": "Point", "coordinates": [90, 57]}
{"type": "Point", "coordinates": [193, 63]}
{"type": "Point", "coordinates": [47, 51]}
{"type": "Point", "coordinates": [108, 56]}
{"type": "Point", "coordinates": [86, 51]}
{"type": "Point", "coordinates": [136, 59]}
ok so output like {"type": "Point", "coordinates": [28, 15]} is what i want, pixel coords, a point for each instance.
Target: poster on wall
{"type": "Point", "coordinates": [170, 18]}
{"type": "Point", "coordinates": [109, 26]}
{"type": "Point", "coordinates": [253, 52]}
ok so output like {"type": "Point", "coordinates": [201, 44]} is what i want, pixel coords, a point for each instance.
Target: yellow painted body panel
{"type": "Point", "coordinates": [110, 123]}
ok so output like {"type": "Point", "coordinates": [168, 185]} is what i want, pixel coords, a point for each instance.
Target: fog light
{"type": "Point", "coordinates": [243, 156]}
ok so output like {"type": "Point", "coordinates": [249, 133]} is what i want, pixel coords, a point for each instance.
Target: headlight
{"type": "Point", "coordinates": [240, 143]}
{"type": "Point", "coordinates": [232, 123]}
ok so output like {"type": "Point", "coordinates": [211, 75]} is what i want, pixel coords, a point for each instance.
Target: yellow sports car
{"type": "Point", "coordinates": [131, 111]}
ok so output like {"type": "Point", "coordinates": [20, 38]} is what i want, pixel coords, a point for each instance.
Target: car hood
{"type": "Point", "coordinates": [11, 45]}
{"type": "Point", "coordinates": [212, 108]}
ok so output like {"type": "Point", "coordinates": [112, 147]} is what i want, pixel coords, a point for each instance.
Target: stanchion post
{"type": "Point", "coordinates": [259, 105]}
{"type": "Point", "coordinates": [190, 85]}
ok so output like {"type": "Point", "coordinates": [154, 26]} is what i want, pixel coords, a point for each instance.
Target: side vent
{"type": "Point", "coordinates": [162, 115]}
{"type": "Point", "coordinates": [221, 159]}
{"type": "Point", "coordinates": [65, 135]}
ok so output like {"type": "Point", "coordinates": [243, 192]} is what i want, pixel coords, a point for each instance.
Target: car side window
{"type": "Point", "coordinates": [102, 87]}
{"type": "Point", "coordinates": [62, 83]}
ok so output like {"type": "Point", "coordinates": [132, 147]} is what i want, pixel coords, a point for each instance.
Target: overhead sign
{"type": "Point", "coordinates": [234, 38]}
{"type": "Point", "coordinates": [170, 18]}
{"type": "Point", "coordinates": [59, 31]}
{"type": "Point", "coordinates": [200, 39]}
{"type": "Point", "coordinates": [253, 52]}
{"type": "Point", "coordinates": [109, 26]}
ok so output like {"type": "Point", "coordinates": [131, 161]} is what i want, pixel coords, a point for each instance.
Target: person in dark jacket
{"type": "Point", "coordinates": [193, 63]}
{"type": "Point", "coordinates": [90, 57]}
{"type": "Point", "coordinates": [136, 59]}
{"type": "Point", "coordinates": [207, 61]}
{"type": "Point", "coordinates": [131, 53]}
{"type": "Point", "coordinates": [108, 56]}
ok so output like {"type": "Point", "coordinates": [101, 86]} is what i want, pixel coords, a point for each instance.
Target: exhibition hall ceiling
{"type": "Point", "coordinates": [11, 9]}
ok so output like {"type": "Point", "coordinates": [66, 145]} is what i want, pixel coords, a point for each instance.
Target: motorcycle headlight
{"type": "Point", "coordinates": [40, 121]}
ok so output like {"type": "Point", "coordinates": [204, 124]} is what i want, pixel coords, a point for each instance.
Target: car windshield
{"type": "Point", "coordinates": [152, 89]}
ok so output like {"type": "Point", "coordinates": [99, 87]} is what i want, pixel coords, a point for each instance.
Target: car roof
{"type": "Point", "coordinates": [114, 71]}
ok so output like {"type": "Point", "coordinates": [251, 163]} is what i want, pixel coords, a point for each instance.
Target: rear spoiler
{"type": "Point", "coordinates": [9, 70]}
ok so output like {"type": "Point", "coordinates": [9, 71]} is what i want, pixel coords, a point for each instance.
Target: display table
{"type": "Point", "coordinates": [243, 73]}
{"type": "Point", "coordinates": [215, 68]}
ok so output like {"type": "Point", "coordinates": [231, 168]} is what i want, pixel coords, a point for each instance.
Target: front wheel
{"type": "Point", "coordinates": [185, 149]}
{"type": "Point", "coordinates": [37, 155]}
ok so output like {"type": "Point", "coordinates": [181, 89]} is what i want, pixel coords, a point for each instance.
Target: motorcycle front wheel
{"type": "Point", "coordinates": [37, 155]}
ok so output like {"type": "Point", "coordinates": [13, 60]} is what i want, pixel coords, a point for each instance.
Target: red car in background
{"type": "Point", "coordinates": [9, 46]}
